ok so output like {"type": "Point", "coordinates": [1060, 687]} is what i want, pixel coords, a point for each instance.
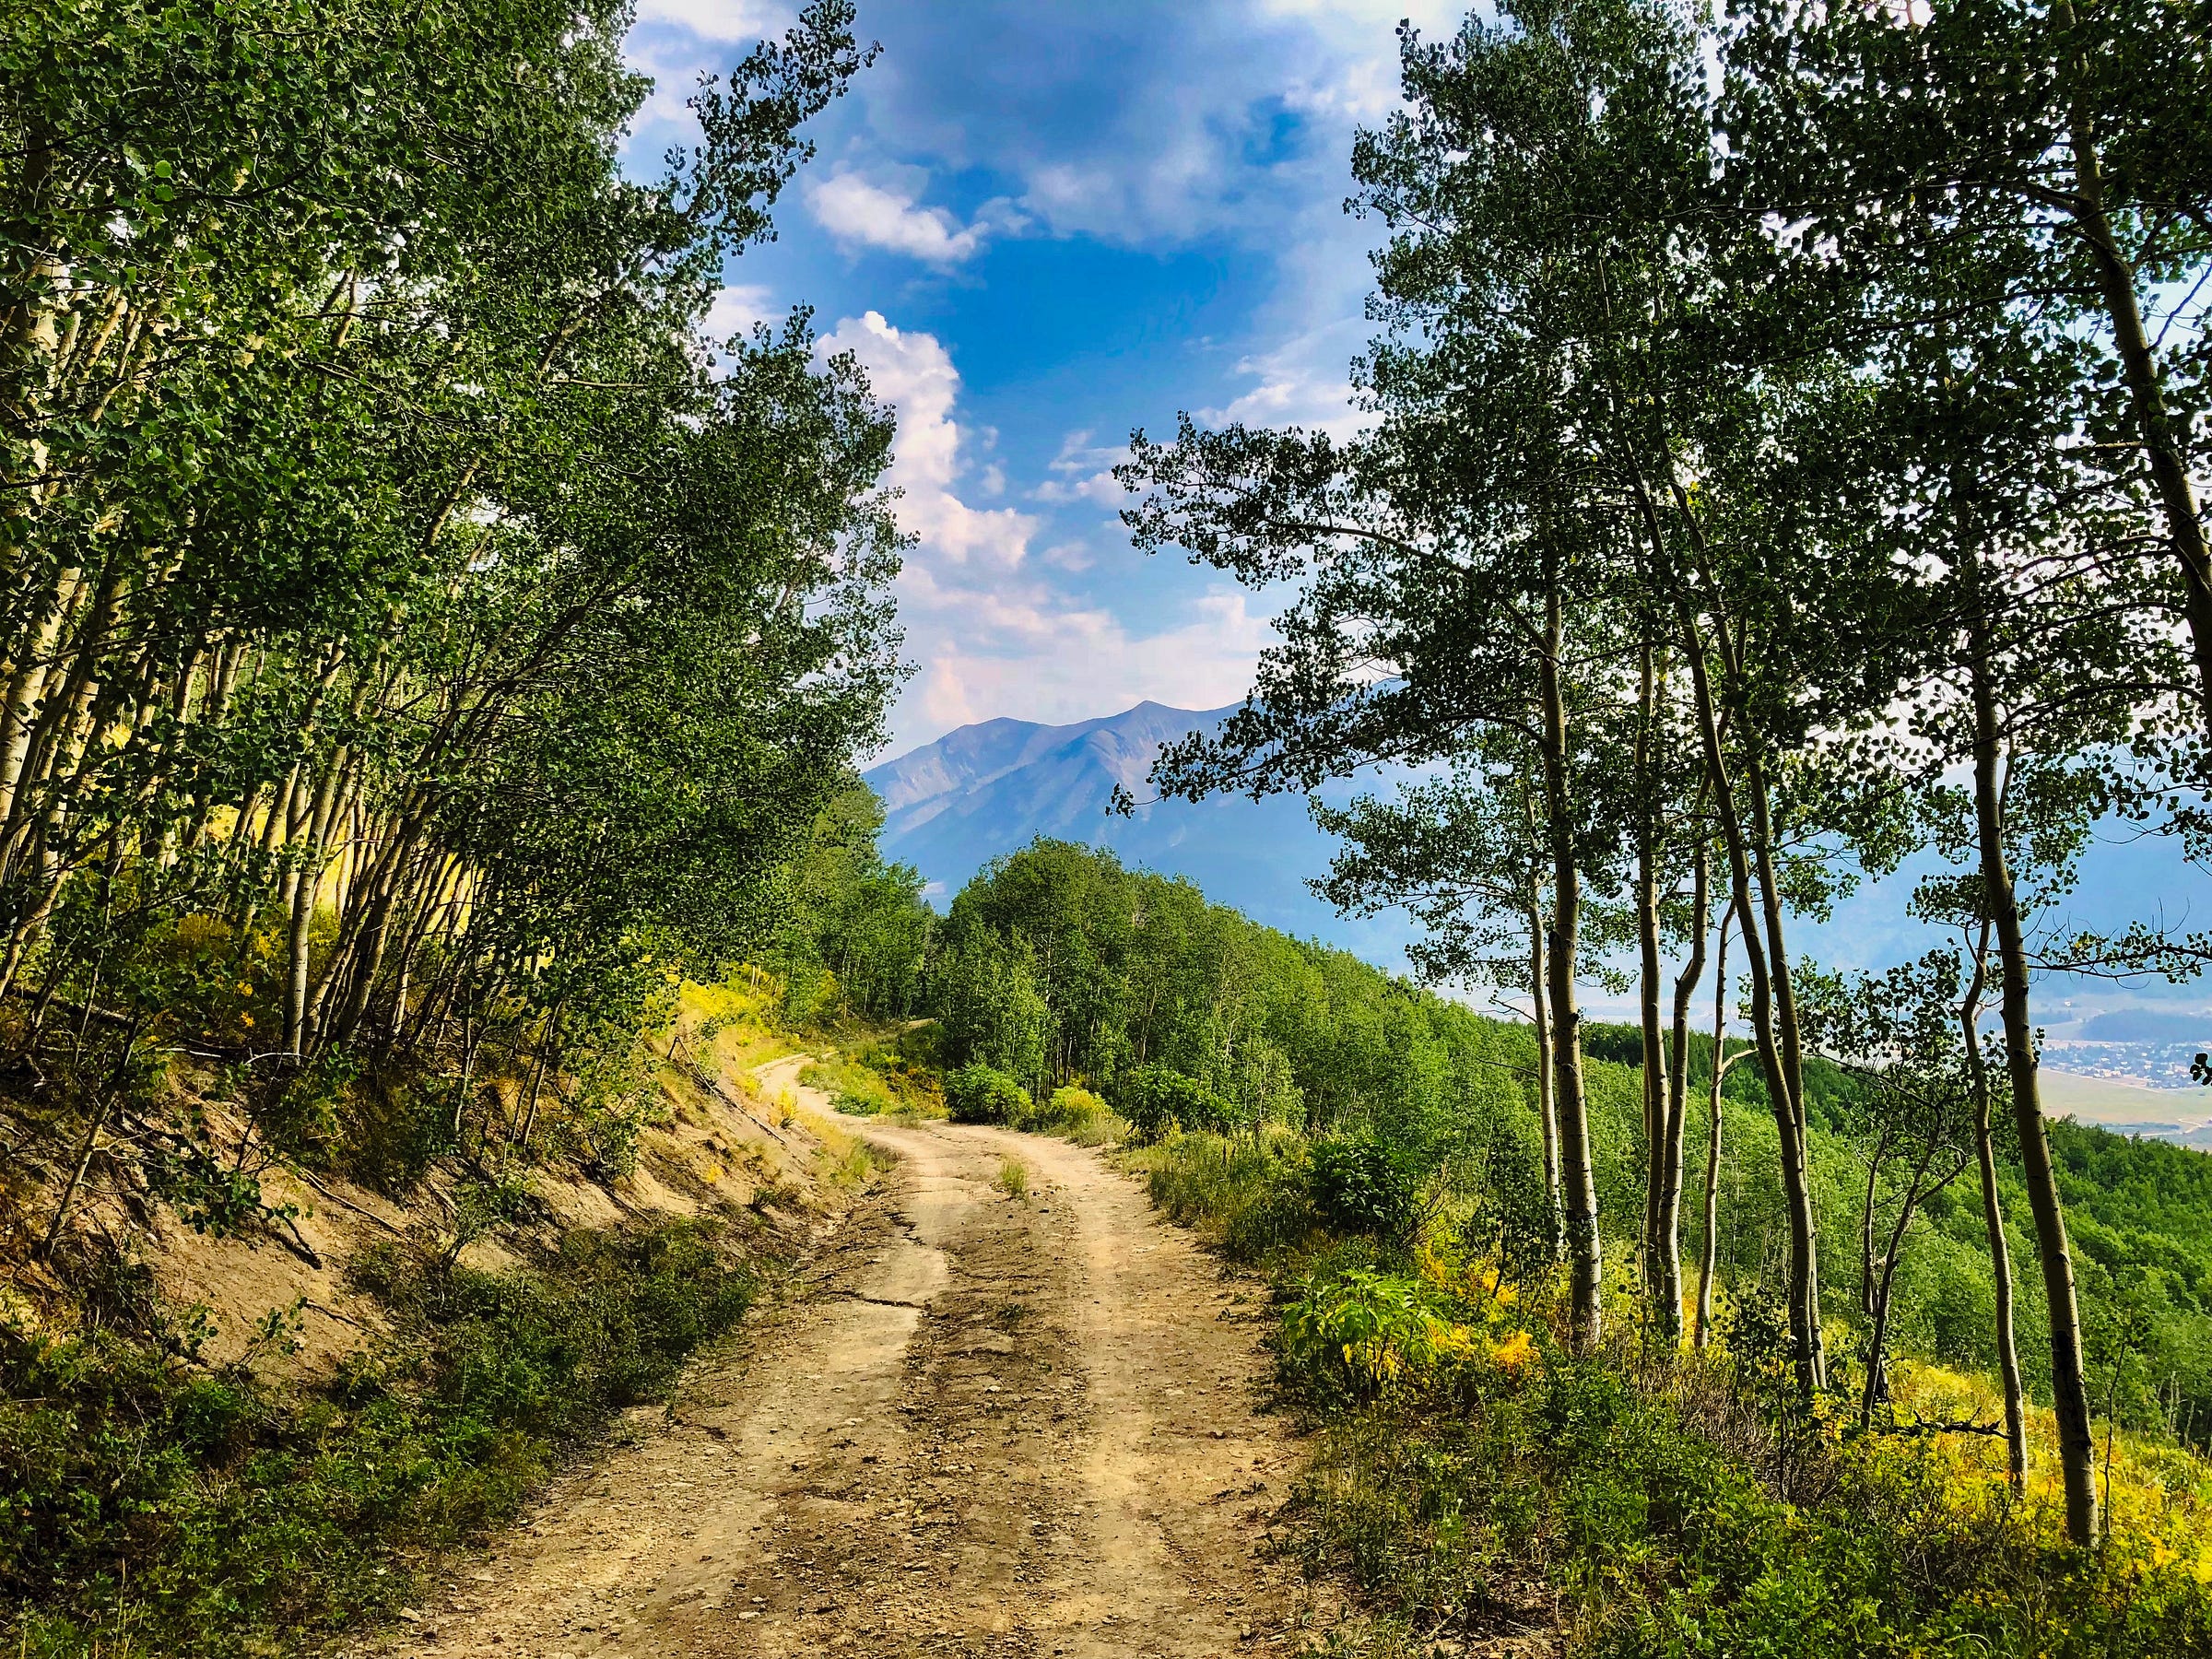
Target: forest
{"type": "Point", "coordinates": [424, 642]}
{"type": "Point", "coordinates": [1057, 966]}
{"type": "Point", "coordinates": [429, 654]}
{"type": "Point", "coordinates": [423, 638]}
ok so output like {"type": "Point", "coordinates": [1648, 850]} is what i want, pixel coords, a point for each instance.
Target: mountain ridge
{"type": "Point", "coordinates": [990, 788]}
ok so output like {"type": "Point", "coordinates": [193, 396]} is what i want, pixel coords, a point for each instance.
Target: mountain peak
{"type": "Point", "coordinates": [991, 788]}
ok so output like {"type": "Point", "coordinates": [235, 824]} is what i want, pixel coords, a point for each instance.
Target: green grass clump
{"type": "Point", "coordinates": [874, 1080]}
{"type": "Point", "coordinates": [149, 1499]}
{"type": "Point", "coordinates": [1250, 1197]}
{"type": "Point", "coordinates": [1075, 1114]}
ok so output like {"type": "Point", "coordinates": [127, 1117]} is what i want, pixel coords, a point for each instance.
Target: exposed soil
{"type": "Point", "coordinates": [1001, 1424]}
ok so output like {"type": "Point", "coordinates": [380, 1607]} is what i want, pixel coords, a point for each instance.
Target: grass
{"type": "Point", "coordinates": [1075, 1114]}
{"type": "Point", "coordinates": [150, 1501]}
{"type": "Point", "coordinates": [1479, 1503]}
{"type": "Point", "coordinates": [1014, 1178]}
{"type": "Point", "coordinates": [1247, 1197]}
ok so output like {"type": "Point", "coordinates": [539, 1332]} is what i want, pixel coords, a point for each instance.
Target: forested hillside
{"type": "Point", "coordinates": [1381, 1152]}
{"type": "Point", "coordinates": [1058, 966]}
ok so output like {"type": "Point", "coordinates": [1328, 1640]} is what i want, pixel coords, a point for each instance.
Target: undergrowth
{"type": "Point", "coordinates": [1474, 1479]}
{"type": "Point", "coordinates": [880, 1076]}
{"type": "Point", "coordinates": [150, 1501]}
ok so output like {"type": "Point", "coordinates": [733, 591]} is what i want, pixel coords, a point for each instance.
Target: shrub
{"type": "Point", "coordinates": [1672, 1546]}
{"type": "Point", "coordinates": [874, 1080]}
{"type": "Point", "coordinates": [1361, 1331]}
{"type": "Point", "coordinates": [1156, 1100]}
{"type": "Point", "coordinates": [1069, 1110]}
{"type": "Point", "coordinates": [983, 1094]}
{"type": "Point", "coordinates": [1248, 1196]}
{"type": "Point", "coordinates": [1359, 1185]}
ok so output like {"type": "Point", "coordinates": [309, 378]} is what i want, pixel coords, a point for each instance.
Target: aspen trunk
{"type": "Point", "coordinates": [28, 686]}
{"type": "Point", "coordinates": [1545, 1080]}
{"type": "Point", "coordinates": [1647, 985]}
{"type": "Point", "coordinates": [1774, 1007]}
{"type": "Point", "coordinates": [1667, 1289]}
{"type": "Point", "coordinates": [1797, 1177]}
{"type": "Point", "coordinates": [1802, 1286]}
{"type": "Point", "coordinates": [2069, 1381]}
{"type": "Point", "coordinates": [1584, 1267]}
{"type": "Point", "coordinates": [304, 891]}
{"type": "Point", "coordinates": [1992, 1220]}
{"type": "Point", "coordinates": [1709, 1246]}
{"type": "Point", "coordinates": [2156, 424]}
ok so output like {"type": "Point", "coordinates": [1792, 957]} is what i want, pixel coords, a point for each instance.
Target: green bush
{"type": "Point", "coordinates": [1070, 1111]}
{"type": "Point", "coordinates": [1359, 1184]}
{"type": "Point", "coordinates": [209, 1515]}
{"type": "Point", "coordinates": [1157, 1099]}
{"type": "Point", "coordinates": [1669, 1546]}
{"type": "Point", "coordinates": [982, 1094]}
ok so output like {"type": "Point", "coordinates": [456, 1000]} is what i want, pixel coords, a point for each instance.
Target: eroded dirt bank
{"type": "Point", "coordinates": [1006, 1426]}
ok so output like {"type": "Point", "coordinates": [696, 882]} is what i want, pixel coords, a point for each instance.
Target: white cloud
{"type": "Point", "coordinates": [737, 308]}
{"type": "Point", "coordinates": [1357, 77]}
{"type": "Point", "coordinates": [990, 619]}
{"type": "Point", "coordinates": [1075, 663]}
{"type": "Point", "coordinates": [865, 213]}
{"type": "Point", "coordinates": [913, 372]}
{"type": "Point", "coordinates": [1292, 389]}
{"type": "Point", "coordinates": [1084, 471]}
{"type": "Point", "coordinates": [719, 20]}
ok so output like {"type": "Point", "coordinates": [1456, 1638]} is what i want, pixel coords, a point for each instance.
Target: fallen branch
{"type": "Point", "coordinates": [731, 1100]}
{"type": "Point", "coordinates": [316, 1307]}
{"type": "Point", "coordinates": [348, 1204]}
{"type": "Point", "coordinates": [1919, 1429]}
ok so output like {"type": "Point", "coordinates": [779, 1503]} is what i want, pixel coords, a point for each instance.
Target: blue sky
{"type": "Point", "coordinates": [1040, 225]}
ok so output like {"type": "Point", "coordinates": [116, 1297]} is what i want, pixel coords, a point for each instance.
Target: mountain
{"type": "Point", "coordinates": [953, 805]}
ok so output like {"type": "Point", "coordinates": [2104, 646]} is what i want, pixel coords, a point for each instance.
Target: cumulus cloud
{"type": "Point", "coordinates": [886, 213]}
{"type": "Point", "coordinates": [1146, 120]}
{"type": "Point", "coordinates": [991, 617]}
{"type": "Point", "coordinates": [913, 372]}
{"type": "Point", "coordinates": [1300, 382]}
{"type": "Point", "coordinates": [737, 308]}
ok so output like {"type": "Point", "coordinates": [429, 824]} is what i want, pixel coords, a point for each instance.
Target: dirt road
{"type": "Point", "coordinates": [1006, 1426]}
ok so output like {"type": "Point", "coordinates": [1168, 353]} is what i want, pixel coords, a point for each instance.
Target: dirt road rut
{"type": "Point", "coordinates": [1008, 1426]}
